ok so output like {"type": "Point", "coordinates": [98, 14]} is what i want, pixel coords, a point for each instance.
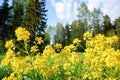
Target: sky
{"type": "Point", "coordinates": [64, 11]}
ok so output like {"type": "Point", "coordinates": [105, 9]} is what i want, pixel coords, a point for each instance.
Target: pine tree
{"type": "Point", "coordinates": [107, 25]}
{"type": "Point", "coordinates": [4, 18]}
{"type": "Point", "coordinates": [17, 20]}
{"type": "Point", "coordinates": [35, 18]}
{"type": "Point", "coordinates": [117, 26]}
{"type": "Point", "coordinates": [67, 33]}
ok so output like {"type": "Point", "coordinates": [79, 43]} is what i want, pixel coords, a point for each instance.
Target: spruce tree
{"type": "Point", "coordinates": [67, 33]}
{"type": "Point", "coordinates": [35, 18]}
{"type": "Point", "coordinates": [17, 20]}
{"type": "Point", "coordinates": [4, 19]}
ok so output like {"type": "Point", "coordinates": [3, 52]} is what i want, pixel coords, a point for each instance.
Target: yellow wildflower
{"type": "Point", "coordinates": [72, 47]}
{"type": "Point", "coordinates": [10, 44]}
{"type": "Point", "coordinates": [58, 46]}
{"type": "Point", "coordinates": [12, 77]}
{"type": "Point", "coordinates": [49, 51]}
{"type": "Point", "coordinates": [39, 40]}
{"type": "Point", "coordinates": [74, 57]}
{"type": "Point", "coordinates": [22, 34]}
{"type": "Point", "coordinates": [87, 35]}
{"type": "Point", "coordinates": [34, 49]}
{"type": "Point", "coordinates": [76, 41]}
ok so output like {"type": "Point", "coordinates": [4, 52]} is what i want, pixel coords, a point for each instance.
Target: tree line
{"type": "Point", "coordinates": [31, 14]}
{"type": "Point", "coordinates": [94, 21]}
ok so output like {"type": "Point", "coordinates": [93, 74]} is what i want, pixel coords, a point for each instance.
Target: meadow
{"type": "Point", "coordinates": [100, 61]}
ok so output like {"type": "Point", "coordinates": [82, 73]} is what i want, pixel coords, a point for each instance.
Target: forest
{"type": "Point", "coordinates": [30, 49]}
{"type": "Point", "coordinates": [35, 20]}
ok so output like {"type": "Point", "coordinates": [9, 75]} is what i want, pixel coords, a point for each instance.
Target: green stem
{"type": "Point", "coordinates": [21, 50]}
{"type": "Point", "coordinates": [26, 47]}
{"type": "Point", "coordinates": [82, 46]}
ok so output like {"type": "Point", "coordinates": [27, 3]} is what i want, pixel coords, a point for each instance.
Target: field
{"type": "Point", "coordinates": [100, 61]}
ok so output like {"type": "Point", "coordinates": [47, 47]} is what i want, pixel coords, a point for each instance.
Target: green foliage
{"type": "Point", "coordinates": [5, 71]}
{"type": "Point", "coordinates": [17, 19]}
{"type": "Point", "coordinates": [84, 15]}
{"type": "Point", "coordinates": [47, 38]}
{"type": "Point", "coordinates": [2, 57]}
{"type": "Point", "coordinates": [117, 26]}
{"type": "Point", "coordinates": [17, 2]}
{"type": "Point", "coordinates": [77, 31]}
{"type": "Point", "coordinates": [2, 47]}
{"type": "Point", "coordinates": [60, 34]}
{"type": "Point", "coordinates": [32, 74]}
{"type": "Point", "coordinates": [5, 18]}
{"type": "Point", "coordinates": [35, 17]}
{"type": "Point", "coordinates": [96, 16]}
{"type": "Point", "coordinates": [107, 25]}
{"type": "Point", "coordinates": [67, 34]}
{"type": "Point", "coordinates": [91, 20]}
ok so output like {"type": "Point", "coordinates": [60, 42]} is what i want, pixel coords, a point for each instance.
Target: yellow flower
{"type": "Point", "coordinates": [12, 77]}
{"type": "Point", "coordinates": [48, 51]}
{"type": "Point", "coordinates": [22, 34]}
{"type": "Point", "coordinates": [70, 78]}
{"type": "Point", "coordinates": [10, 44]}
{"type": "Point", "coordinates": [110, 78]}
{"type": "Point", "coordinates": [74, 57]}
{"type": "Point", "coordinates": [39, 40]}
{"type": "Point", "coordinates": [76, 41]}
{"type": "Point", "coordinates": [67, 73]}
{"type": "Point", "coordinates": [66, 65]}
{"type": "Point", "coordinates": [72, 47]}
{"type": "Point", "coordinates": [58, 46]}
{"type": "Point", "coordinates": [9, 55]}
{"type": "Point", "coordinates": [87, 35]}
{"type": "Point", "coordinates": [65, 50]}
{"type": "Point", "coordinates": [34, 49]}
{"type": "Point", "coordinates": [28, 58]}
{"type": "Point", "coordinates": [5, 62]}
{"type": "Point", "coordinates": [45, 71]}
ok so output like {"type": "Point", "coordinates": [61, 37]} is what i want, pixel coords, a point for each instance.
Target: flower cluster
{"type": "Point", "coordinates": [39, 40]}
{"type": "Point", "coordinates": [101, 58]}
{"type": "Point", "coordinates": [58, 47]}
{"type": "Point", "coordinates": [87, 36]}
{"type": "Point", "coordinates": [49, 51]}
{"type": "Point", "coordinates": [99, 61]}
{"type": "Point", "coordinates": [9, 44]}
{"type": "Point", "coordinates": [76, 41]}
{"type": "Point", "coordinates": [22, 34]}
{"type": "Point", "coordinates": [34, 49]}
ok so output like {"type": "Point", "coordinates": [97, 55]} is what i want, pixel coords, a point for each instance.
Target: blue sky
{"type": "Point", "coordinates": [64, 11]}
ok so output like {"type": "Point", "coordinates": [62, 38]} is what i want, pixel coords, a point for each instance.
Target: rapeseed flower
{"type": "Point", "coordinates": [76, 41]}
{"type": "Point", "coordinates": [22, 34]}
{"type": "Point", "coordinates": [39, 40]}
{"type": "Point", "coordinates": [10, 44]}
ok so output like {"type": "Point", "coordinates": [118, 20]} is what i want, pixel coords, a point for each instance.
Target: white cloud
{"type": "Point", "coordinates": [75, 6]}
{"type": "Point", "coordinates": [67, 9]}
{"type": "Point", "coordinates": [64, 8]}
{"type": "Point", "coordinates": [112, 8]}
{"type": "Point", "coordinates": [59, 8]}
{"type": "Point", "coordinates": [93, 4]}
{"type": "Point", "coordinates": [109, 7]}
